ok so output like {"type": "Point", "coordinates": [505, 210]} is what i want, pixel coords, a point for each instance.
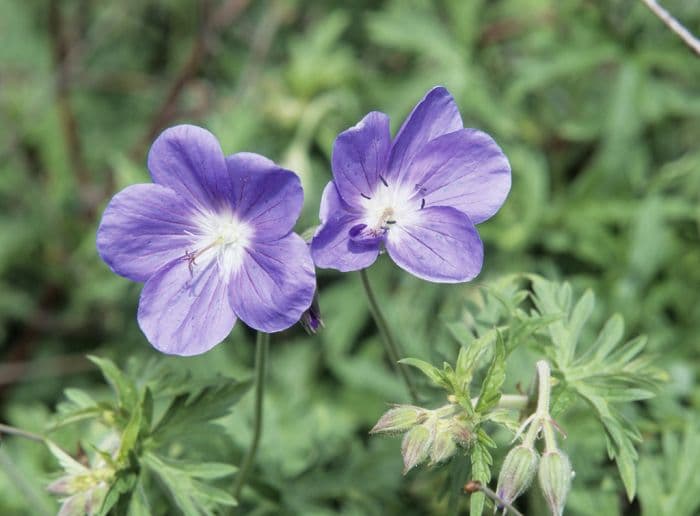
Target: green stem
{"type": "Point", "coordinates": [261, 347]}
{"type": "Point", "coordinates": [475, 485]}
{"type": "Point", "coordinates": [545, 387]}
{"type": "Point", "coordinates": [392, 348]}
{"type": "Point", "coordinates": [540, 419]}
{"type": "Point", "coordinates": [513, 401]}
{"type": "Point", "coordinates": [550, 441]}
{"type": "Point", "coordinates": [11, 430]}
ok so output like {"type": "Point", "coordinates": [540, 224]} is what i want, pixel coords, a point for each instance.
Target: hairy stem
{"type": "Point", "coordinates": [673, 24]}
{"type": "Point", "coordinates": [261, 348]}
{"type": "Point", "coordinates": [513, 401]}
{"type": "Point", "coordinates": [540, 420]}
{"type": "Point", "coordinates": [545, 388]}
{"type": "Point", "coordinates": [476, 486]}
{"type": "Point", "coordinates": [11, 430]}
{"type": "Point", "coordinates": [392, 348]}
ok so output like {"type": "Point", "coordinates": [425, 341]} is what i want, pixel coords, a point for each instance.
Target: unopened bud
{"type": "Point", "coordinates": [517, 472]}
{"type": "Point", "coordinates": [416, 445]}
{"type": "Point", "coordinates": [444, 445]}
{"type": "Point", "coordinates": [61, 486]}
{"type": "Point", "coordinates": [311, 319]}
{"type": "Point", "coordinates": [74, 505]}
{"type": "Point", "coordinates": [399, 419]}
{"type": "Point", "coordinates": [555, 480]}
{"type": "Point", "coordinates": [462, 432]}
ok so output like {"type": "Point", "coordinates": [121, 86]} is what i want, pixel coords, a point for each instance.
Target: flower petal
{"type": "Point", "coordinates": [332, 203]}
{"type": "Point", "coordinates": [274, 285]}
{"type": "Point", "coordinates": [466, 170]}
{"type": "Point", "coordinates": [189, 160]}
{"type": "Point", "coordinates": [438, 244]}
{"type": "Point", "coordinates": [435, 115]}
{"type": "Point", "coordinates": [268, 197]}
{"type": "Point", "coordinates": [143, 228]}
{"type": "Point", "coordinates": [332, 247]}
{"type": "Point", "coordinates": [359, 157]}
{"type": "Point", "coordinates": [184, 310]}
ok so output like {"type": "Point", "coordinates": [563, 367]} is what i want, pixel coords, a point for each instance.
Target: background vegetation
{"type": "Point", "coordinates": [596, 103]}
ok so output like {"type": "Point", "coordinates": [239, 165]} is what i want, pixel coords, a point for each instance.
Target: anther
{"type": "Point", "coordinates": [422, 203]}
{"type": "Point", "coordinates": [365, 196]}
{"type": "Point", "coordinates": [383, 180]}
{"type": "Point", "coordinates": [191, 256]}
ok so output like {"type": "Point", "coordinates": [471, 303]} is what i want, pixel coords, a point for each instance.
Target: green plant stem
{"type": "Point", "coordinates": [392, 348]}
{"type": "Point", "coordinates": [513, 401]}
{"type": "Point", "coordinates": [545, 387]}
{"type": "Point", "coordinates": [11, 430]}
{"type": "Point", "coordinates": [476, 486]}
{"type": "Point", "coordinates": [541, 418]}
{"type": "Point", "coordinates": [261, 349]}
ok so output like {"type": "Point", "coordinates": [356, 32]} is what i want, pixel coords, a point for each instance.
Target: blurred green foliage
{"type": "Point", "coordinates": [596, 104]}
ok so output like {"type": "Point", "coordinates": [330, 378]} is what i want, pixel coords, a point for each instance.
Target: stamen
{"type": "Point", "coordinates": [391, 222]}
{"type": "Point", "coordinates": [422, 203]}
{"type": "Point", "coordinates": [365, 196]}
{"type": "Point", "coordinates": [191, 256]}
{"type": "Point", "coordinates": [383, 180]}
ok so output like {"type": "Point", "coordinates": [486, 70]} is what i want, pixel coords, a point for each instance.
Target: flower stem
{"type": "Point", "coordinates": [540, 420]}
{"type": "Point", "coordinates": [474, 486]}
{"type": "Point", "coordinates": [11, 430]}
{"type": "Point", "coordinates": [392, 348]}
{"type": "Point", "coordinates": [261, 347]}
{"type": "Point", "coordinates": [513, 401]}
{"type": "Point", "coordinates": [545, 387]}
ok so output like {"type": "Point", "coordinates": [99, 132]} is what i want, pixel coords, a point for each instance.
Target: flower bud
{"type": "Point", "coordinates": [61, 486]}
{"type": "Point", "coordinates": [416, 445]}
{"type": "Point", "coordinates": [399, 419]}
{"type": "Point", "coordinates": [517, 472]}
{"type": "Point", "coordinates": [462, 432]}
{"type": "Point", "coordinates": [555, 480]}
{"type": "Point", "coordinates": [311, 319]}
{"type": "Point", "coordinates": [444, 445]}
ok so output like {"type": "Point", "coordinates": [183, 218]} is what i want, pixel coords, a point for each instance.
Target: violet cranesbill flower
{"type": "Point", "coordinates": [419, 196]}
{"type": "Point", "coordinates": [212, 240]}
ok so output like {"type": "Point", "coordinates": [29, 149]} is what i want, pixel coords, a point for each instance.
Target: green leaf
{"type": "Point", "coordinates": [189, 410]}
{"type": "Point", "coordinates": [123, 484]}
{"type": "Point", "coordinates": [493, 381]}
{"type": "Point", "coordinates": [602, 373]}
{"type": "Point", "coordinates": [130, 435]}
{"type": "Point", "coordinates": [191, 496]}
{"type": "Point", "coordinates": [205, 470]}
{"type": "Point", "coordinates": [562, 398]}
{"type": "Point", "coordinates": [668, 483]}
{"type": "Point", "coordinates": [139, 504]}
{"type": "Point", "coordinates": [469, 357]}
{"type": "Point", "coordinates": [68, 463]}
{"type": "Point", "coordinates": [429, 370]}
{"type": "Point", "coordinates": [481, 471]}
{"type": "Point", "coordinates": [123, 386]}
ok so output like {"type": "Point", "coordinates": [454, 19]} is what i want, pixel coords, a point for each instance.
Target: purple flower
{"type": "Point", "coordinates": [418, 195]}
{"type": "Point", "coordinates": [212, 240]}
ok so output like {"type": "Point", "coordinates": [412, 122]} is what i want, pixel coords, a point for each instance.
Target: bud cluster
{"type": "Point", "coordinates": [521, 463]}
{"type": "Point", "coordinates": [429, 435]}
{"type": "Point", "coordinates": [82, 489]}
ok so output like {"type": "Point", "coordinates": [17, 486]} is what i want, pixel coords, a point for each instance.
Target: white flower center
{"type": "Point", "coordinates": [388, 205]}
{"type": "Point", "coordinates": [222, 237]}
